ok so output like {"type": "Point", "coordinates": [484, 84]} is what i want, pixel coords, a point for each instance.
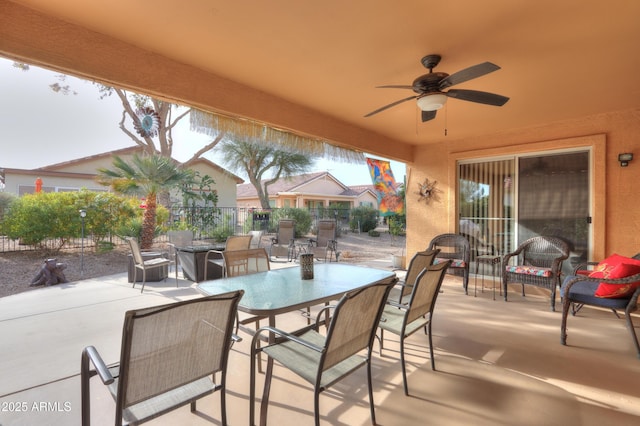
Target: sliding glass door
{"type": "Point", "coordinates": [505, 201]}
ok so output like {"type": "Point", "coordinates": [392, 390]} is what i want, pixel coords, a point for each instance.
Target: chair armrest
{"type": "Point", "coordinates": [313, 241]}
{"type": "Point", "coordinates": [206, 257]}
{"type": "Point", "coordinates": [396, 304]}
{"type": "Point", "coordinates": [101, 368]}
{"type": "Point", "coordinates": [584, 266]}
{"type": "Point", "coordinates": [322, 312]}
{"type": "Point", "coordinates": [621, 281]}
{"type": "Point", "coordinates": [283, 335]}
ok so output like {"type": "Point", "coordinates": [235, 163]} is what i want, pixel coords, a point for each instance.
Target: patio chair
{"type": "Point", "coordinates": [614, 284]}
{"type": "Point", "coordinates": [324, 360]}
{"type": "Point", "coordinates": [178, 239]}
{"type": "Point", "coordinates": [456, 248]}
{"type": "Point", "coordinates": [234, 242]}
{"type": "Point", "coordinates": [420, 261]}
{"type": "Point", "coordinates": [404, 320]}
{"type": "Point", "coordinates": [538, 262]}
{"type": "Point", "coordinates": [256, 239]}
{"type": "Point", "coordinates": [169, 357]}
{"type": "Point", "coordinates": [325, 244]}
{"type": "Point", "coordinates": [140, 263]}
{"type": "Point", "coordinates": [283, 244]}
{"type": "Point", "coordinates": [244, 262]}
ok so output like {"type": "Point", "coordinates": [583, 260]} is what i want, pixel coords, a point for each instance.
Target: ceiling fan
{"type": "Point", "coordinates": [429, 88]}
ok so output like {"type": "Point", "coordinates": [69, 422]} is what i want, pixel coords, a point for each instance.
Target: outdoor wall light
{"type": "Point", "coordinates": [625, 158]}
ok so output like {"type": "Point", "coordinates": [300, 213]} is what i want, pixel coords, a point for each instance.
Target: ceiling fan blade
{"type": "Point", "coordinates": [468, 74]}
{"type": "Point", "coordinates": [395, 86]}
{"type": "Point", "coordinates": [390, 105]}
{"type": "Point", "coordinates": [477, 96]}
{"type": "Point", "coordinates": [428, 115]}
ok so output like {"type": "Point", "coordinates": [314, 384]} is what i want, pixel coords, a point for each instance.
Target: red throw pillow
{"type": "Point", "coordinates": [607, 265]}
{"type": "Point", "coordinates": [612, 291]}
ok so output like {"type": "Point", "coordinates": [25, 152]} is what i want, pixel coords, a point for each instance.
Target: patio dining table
{"type": "Point", "coordinates": [279, 291]}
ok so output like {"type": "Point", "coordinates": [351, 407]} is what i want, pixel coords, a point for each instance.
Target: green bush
{"type": "Point", "coordinates": [5, 201]}
{"type": "Point", "coordinates": [397, 224]}
{"type": "Point", "coordinates": [373, 233]}
{"type": "Point", "coordinates": [35, 218]}
{"type": "Point", "coordinates": [301, 216]}
{"type": "Point", "coordinates": [366, 217]}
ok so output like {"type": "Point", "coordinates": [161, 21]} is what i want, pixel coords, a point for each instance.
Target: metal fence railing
{"type": "Point", "coordinates": [208, 224]}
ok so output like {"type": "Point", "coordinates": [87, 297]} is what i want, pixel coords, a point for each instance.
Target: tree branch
{"type": "Point", "coordinates": [204, 149]}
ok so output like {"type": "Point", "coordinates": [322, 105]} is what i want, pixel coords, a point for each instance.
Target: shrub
{"type": "Point", "coordinates": [397, 224]}
{"type": "Point", "coordinates": [301, 216]}
{"type": "Point", "coordinates": [373, 233]}
{"type": "Point", "coordinates": [364, 217]}
{"type": "Point", "coordinates": [5, 201]}
{"type": "Point", "coordinates": [34, 218]}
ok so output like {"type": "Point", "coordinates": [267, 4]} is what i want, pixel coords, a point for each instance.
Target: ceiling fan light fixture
{"type": "Point", "coordinates": [432, 102]}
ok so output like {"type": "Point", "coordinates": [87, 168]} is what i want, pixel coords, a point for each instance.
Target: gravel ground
{"type": "Point", "coordinates": [18, 269]}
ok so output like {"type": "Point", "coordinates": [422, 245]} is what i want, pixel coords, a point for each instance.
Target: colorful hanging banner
{"type": "Point", "coordinates": [389, 203]}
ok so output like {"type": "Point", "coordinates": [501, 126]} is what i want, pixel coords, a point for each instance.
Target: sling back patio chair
{"type": "Point", "coordinates": [215, 257]}
{"type": "Point", "coordinates": [256, 239]}
{"type": "Point", "coordinates": [324, 246]}
{"type": "Point", "coordinates": [144, 265]}
{"type": "Point", "coordinates": [420, 261]}
{"type": "Point", "coordinates": [614, 285]}
{"type": "Point", "coordinates": [404, 320]}
{"type": "Point", "coordinates": [456, 248]}
{"type": "Point", "coordinates": [324, 360]}
{"type": "Point", "coordinates": [178, 239]}
{"type": "Point", "coordinates": [283, 244]}
{"type": "Point", "coordinates": [538, 262]}
{"type": "Point", "coordinates": [169, 357]}
{"type": "Point", "coordinates": [245, 262]}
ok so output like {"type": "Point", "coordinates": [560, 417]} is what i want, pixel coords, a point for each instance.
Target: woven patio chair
{"type": "Point", "coordinates": [618, 294]}
{"type": "Point", "coordinates": [169, 357]}
{"type": "Point", "coordinates": [538, 262]}
{"type": "Point", "coordinates": [145, 265]}
{"type": "Point", "coordinates": [215, 257]}
{"type": "Point", "coordinates": [420, 261]}
{"type": "Point", "coordinates": [456, 248]}
{"type": "Point", "coordinates": [324, 245]}
{"type": "Point", "coordinates": [283, 244]}
{"type": "Point", "coordinates": [324, 360]}
{"type": "Point", "coordinates": [404, 320]}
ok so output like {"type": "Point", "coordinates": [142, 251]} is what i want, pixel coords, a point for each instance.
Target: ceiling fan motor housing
{"type": "Point", "coordinates": [428, 83]}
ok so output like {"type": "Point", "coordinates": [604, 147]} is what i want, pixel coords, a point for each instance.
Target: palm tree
{"type": "Point", "coordinates": [255, 159]}
{"type": "Point", "coordinates": [146, 175]}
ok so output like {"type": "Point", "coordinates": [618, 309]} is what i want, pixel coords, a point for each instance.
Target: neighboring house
{"type": "Point", "coordinates": [310, 191]}
{"type": "Point", "coordinates": [80, 173]}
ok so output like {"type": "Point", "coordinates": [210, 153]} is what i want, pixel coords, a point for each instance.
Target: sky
{"type": "Point", "coordinates": [39, 127]}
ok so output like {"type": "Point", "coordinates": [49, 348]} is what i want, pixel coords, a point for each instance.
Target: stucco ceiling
{"type": "Point", "coordinates": [560, 59]}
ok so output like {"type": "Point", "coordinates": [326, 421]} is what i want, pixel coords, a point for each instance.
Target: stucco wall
{"type": "Point", "coordinates": [615, 205]}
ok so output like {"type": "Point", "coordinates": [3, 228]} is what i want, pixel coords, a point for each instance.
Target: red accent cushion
{"type": "Point", "coordinates": [607, 265]}
{"type": "Point", "coordinates": [612, 268]}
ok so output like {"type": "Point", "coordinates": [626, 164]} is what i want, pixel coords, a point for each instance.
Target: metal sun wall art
{"type": "Point", "coordinates": [148, 122]}
{"type": "Point", "coordinates": [427, 191]}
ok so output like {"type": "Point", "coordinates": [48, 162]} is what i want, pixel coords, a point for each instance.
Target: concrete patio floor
{"type": "Point", "coordinates": [497, 363]}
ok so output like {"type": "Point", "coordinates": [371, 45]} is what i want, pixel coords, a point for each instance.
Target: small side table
{"type": "Point", "coordinates": [487, 259]}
